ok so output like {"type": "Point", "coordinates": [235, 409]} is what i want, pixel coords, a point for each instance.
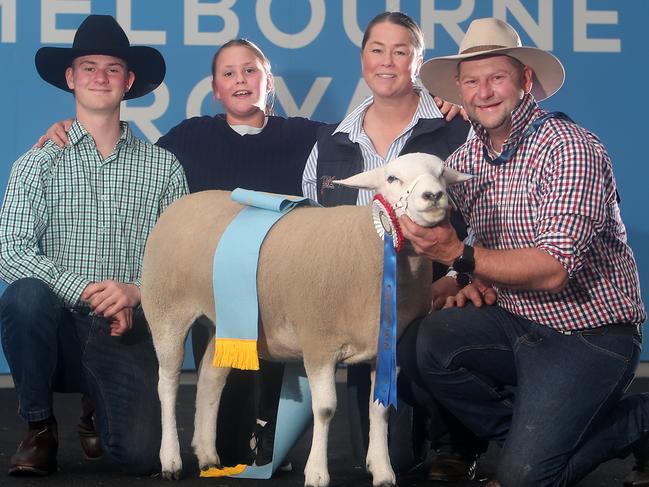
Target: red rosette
{"type": "Point", "coordinates": [385, 221]}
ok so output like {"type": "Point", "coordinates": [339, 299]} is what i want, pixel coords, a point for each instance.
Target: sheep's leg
{"type": "Point", "coordinates": [168, 332]}
{"type": "Point", "coordinates": [378, 458]}
{"type": "Point", "coordinates": [211, 381]}
{"type": "Point", "coordinates": [322, 383]}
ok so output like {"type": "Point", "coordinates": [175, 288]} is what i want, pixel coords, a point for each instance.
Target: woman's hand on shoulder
{"type": "Point", "coordinates": [450, 110]}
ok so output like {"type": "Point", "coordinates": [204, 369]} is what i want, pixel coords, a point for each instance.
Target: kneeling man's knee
{"type": "Point", "coordinates": [27, 300]}
{"type": "Point", "coordinates": [437, 342]}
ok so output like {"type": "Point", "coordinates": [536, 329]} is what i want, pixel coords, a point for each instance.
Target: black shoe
{"type": "Point", "coordinates": [36, 454]}
{"type": "Point", "coordinates": [453, 466]}
{"type": "Point", "coordinates": [261, 444]}
{"type": "Point", "coordinates": [639, 476]}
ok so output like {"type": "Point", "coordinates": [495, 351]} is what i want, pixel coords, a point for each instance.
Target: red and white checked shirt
{"type": "Point", "coordinates": [557, 193]}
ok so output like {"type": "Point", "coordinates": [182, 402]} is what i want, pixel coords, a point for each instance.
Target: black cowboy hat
{"type": "Point", "coordinates": [101, 34]}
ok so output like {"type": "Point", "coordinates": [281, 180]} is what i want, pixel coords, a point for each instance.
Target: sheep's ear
{"type": "Point", "coordinates": [451, 176]}
{"type": "Point", "coordinates": [367, 180]}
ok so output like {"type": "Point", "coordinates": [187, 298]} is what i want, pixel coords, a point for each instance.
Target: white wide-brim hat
{"type": "Point", "coordinates": [496, 37]}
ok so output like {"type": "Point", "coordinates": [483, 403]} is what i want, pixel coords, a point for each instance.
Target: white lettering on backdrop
{"type": "Point", "coordinates": [50, 10]}
{"type": "Point", "coordinates": [194, 9]}
{"type": "Point", "coordinates": [540, 31]}
{"type": "Point", "coordinates": [7, 21]}
{"type": "Point", "coordinates": [291, 41]}
{"type": "Point", "coordinates": [123, 14]}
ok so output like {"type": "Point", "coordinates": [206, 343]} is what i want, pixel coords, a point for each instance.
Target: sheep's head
{"type": "Point", "coordinates": [414, 184]}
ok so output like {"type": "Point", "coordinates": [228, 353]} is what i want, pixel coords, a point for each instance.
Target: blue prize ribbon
{"type": "Point", "coordinates": [385, 383]}
{"type": "Point", "coordinates": [236, 258]}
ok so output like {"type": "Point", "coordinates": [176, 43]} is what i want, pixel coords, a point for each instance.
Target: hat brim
{"type": "Point", "coordinates": [439, 74]}
{"type": "Point", "coordinates": [146, 62]}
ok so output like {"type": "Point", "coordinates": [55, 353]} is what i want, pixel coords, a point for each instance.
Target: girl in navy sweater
{"type": "Point", "coordinates": [245, 147]}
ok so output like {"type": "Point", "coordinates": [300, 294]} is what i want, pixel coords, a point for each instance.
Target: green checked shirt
{"type": "Point", "coordinates": [70, 217]}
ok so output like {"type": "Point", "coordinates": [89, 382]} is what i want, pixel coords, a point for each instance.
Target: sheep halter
{"type": "Point", "coordinates": [387, 226]}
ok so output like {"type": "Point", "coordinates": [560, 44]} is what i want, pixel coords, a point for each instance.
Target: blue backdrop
{"type": "Point", "coordinates": [314, 49]}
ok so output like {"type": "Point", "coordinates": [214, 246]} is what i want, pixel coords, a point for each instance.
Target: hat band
{"type": "Point", "coordinates": [482, 48]}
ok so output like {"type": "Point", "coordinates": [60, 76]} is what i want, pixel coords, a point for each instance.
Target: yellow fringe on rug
{"type": "Point", "coordinates": [236, 353]}
{"type": "Point", "coordinates": [223, 471]}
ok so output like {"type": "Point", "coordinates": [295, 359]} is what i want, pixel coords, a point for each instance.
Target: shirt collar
{"type": "Point", "coordinates": [523, 115]}
{"type": "Point", "coordinates": [426, 108]}
{"type": "Point", "coordinates": [355, 117]}
{"type": "Point", "coordinates": [78, 132]}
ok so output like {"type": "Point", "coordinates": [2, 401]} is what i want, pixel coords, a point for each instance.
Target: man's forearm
{"type": "Point", "coordinates": [528, 269]}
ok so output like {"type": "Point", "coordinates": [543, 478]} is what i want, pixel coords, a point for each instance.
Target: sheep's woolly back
{"type": "Point", "coordinates": [319, 276]}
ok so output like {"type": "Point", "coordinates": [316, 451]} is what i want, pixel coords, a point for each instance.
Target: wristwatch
{"type": "Point", "coordinates": [465, 263]}
{"type": "Point", "coordinates": [463, 279]}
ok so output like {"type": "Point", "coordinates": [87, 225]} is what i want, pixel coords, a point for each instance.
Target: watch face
{"type": "Point", "coordinates": [464, 279]}
{"type": "Point", "coordinates": [462, 265]}
{"type": "Point", "coordinates": [465, 263]}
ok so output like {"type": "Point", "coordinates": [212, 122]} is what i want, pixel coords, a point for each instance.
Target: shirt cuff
{"type": "Point", "coordinates": [69, 287]}
{"type": "Point", "coordinates": [562, 249]}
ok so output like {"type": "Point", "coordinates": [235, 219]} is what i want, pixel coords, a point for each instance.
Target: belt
{"type": "Point", "coordinates": [628, 329]}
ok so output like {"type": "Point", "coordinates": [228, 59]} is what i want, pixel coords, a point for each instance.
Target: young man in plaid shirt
{"type": "Point", "coordinates": [539, 345]}
{"type": "Point", "coordinates": [73, 227]}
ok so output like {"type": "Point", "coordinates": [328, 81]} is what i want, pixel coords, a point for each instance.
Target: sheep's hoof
{"type": "Point", "coordinates": [385, 484]}
{"type": "Point", "coordinates": [205, 468]}
{"type": "Point", "coordinates": [171, 474]}
{"type": "Point", "coordinates": [320, 482]}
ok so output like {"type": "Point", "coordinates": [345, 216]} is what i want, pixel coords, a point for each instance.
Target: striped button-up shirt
{"type": "Point", "coordinates": [352, 125]}
{"type": "Point", "coordinates": [558, 194]}
{"type": "Point", "coordinates": [70, 217]}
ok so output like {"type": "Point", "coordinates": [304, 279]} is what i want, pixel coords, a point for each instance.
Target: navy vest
{"type": "Point", "coordinates": [340, 158]}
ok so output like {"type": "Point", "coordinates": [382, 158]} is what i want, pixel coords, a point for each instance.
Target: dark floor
{"type": "Point", "coordinates": [74, 470]}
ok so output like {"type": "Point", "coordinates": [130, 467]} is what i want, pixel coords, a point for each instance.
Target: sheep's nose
{"type": "Point", "coordinates": [432, 197]}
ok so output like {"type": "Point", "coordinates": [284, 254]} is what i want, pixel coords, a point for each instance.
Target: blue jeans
{"type": "Point", "coordinates": [555, 402]}
{"type": "Point", "coordinates": [51, 348]}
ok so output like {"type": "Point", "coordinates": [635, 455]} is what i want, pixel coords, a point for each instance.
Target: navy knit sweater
{"type": "Point", "coordinates": [216, 157]}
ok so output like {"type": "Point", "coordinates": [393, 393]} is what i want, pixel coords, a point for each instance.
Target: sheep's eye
{"type": "Point", "coordinates": [392, 179]}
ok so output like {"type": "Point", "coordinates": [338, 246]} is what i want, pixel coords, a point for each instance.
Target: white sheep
{"type": "Point", "coordinates": [318, 281]}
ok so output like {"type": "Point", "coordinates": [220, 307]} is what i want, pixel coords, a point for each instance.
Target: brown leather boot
{"type": "Point", "coordinates": [88, 437]}
{"type": "Point", "coordinates": [453, 467]}
{"type": "Point", "coordinates": [36, 454]}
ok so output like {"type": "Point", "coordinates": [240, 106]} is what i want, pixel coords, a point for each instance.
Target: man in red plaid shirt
{"type": "Point", "coordinates": [539, 345]}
